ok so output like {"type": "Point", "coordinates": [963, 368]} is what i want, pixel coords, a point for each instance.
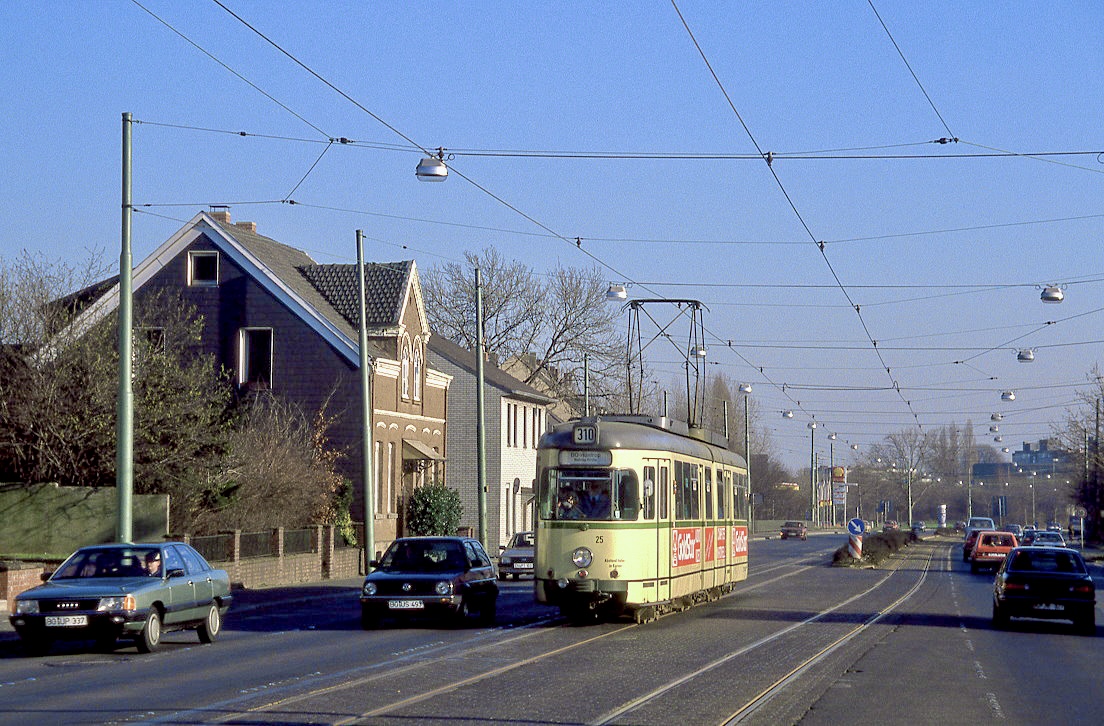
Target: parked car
{"type": "Point", "coordinates": [1044, 538]}
{"type": "Point", "coordinates": [794, 529]}
{"type": "Point", "coordinates": [517, 557]}
{"type": "Point", "coordinates": [990, 549]}
{"type": "Point", "coordinates": [1044, 582]}
{"type": "Point", "coordinates": [436, 577]}
{"type": "Point", "coordinates": [104, 593]}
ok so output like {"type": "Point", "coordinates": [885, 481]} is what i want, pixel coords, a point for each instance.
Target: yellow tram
{"type": "Point", "coordinates": [638, 515]}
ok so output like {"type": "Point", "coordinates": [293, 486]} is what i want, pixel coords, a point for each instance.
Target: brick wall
{"type": "Point", "coordinates": [16, 580]}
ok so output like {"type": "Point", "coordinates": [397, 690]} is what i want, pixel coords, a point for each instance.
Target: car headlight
{"type": "Point", "coordinates": [582, 557]}
{"type": "Point", "coordinates": [444, 587]}
{"type": "Point", "coordinates": [369, 588]}
{"type": "Point", "coordinates": [505, 561]}
{"type": "Point", "coordinates": [26, 607]}
{"type": "Point", "coordinates": [121, 602]}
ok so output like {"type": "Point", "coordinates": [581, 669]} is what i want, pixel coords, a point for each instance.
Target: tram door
{"type": "Point", "coordinates": [657, 509]}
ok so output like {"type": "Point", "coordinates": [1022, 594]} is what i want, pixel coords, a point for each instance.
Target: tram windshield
{"type": "Point", "coordinates": [593, 494]}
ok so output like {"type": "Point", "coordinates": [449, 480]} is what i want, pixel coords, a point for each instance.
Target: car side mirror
{"type": "Point", "coordinates": [45, 576]}
{"type": "Point", "coordinates": [176, 572]}
{"type": "Point", "coordinates": [502, 548]}
{"type": "Point", "coordinates": [373, 563]}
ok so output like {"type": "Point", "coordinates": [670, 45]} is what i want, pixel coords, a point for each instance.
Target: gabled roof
{"type": "Point", "coordinates": [324, 296]}
{"type": "Point", "coordinates": [492, 375]}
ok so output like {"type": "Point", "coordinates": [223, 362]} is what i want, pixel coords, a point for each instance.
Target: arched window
{"type": "Point", "coordinates": [405, 375]}
{"type": "Point", "coordinates": [417, 370]}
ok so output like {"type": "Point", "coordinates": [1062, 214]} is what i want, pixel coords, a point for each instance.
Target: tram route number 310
{"type": "Point", "coordinates": [585, 435]}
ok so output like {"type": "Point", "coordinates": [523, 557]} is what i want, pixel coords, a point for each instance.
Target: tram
{"type": "Point", "coordinates": [637, 515]}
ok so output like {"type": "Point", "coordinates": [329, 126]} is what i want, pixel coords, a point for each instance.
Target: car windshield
{"type": "Point", "coordinates": [1047, 561]}
{"type": "Point", "coordinates": [1048, 537]}
{"type": "Point", "coordinates": [111, 562]}
{"type": "Point", "coordinates": [423, 556]}
{"type": "Point", "coordinates": [792, 524]}
{"type": "Point", "coordinates": [522, 539]}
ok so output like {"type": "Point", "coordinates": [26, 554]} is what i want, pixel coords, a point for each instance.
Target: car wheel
{"type": "Point", "coordinates": [149, 639]}
{"type": "Point", "coordinates": [1000, 617]}
{"type": "Point", "coordinates": [502, 576]}
{"type": "Point", "coordinates": [460, 617]}
{"type": "Point", "coordinates": [368, 618]}
{"type": "Point", "coordinates": [37, 646]}
{"type": "Point", "coordinates": [1087, 623]}
{"type": "Point", "coordinates": [211, 626]}
{"type": "Point", "coordinates": [974, 567]}
{"type": "Point", "coordinates": [489, 611]}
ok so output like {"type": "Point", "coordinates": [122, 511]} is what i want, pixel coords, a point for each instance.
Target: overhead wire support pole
{"type": "Point", "coordinates": [124, 403]}
{"type": "Point", "coordinates": [480, 413]}
{"type": "Point", "coordinates": [366, 413]}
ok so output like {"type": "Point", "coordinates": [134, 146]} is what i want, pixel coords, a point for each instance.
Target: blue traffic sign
{"type": "Point", "coordinates": [856, 526]}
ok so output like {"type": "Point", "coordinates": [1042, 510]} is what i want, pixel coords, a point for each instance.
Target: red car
{"type": "Point", "coordinates": [794, 529]}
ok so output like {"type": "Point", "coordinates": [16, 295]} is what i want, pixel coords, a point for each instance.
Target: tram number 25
{"type": "Point", "coordinates": [599, 539]}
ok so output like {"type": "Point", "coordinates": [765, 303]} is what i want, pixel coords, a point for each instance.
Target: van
{"type": "Point", "coordinates": [976, 523]}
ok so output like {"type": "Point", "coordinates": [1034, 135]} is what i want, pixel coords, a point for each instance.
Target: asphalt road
{"type": "Point", "coordinates": [799, 642]}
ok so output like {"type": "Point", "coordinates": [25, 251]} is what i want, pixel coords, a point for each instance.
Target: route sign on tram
{"type": "Point", "coordinates": [856, 526]}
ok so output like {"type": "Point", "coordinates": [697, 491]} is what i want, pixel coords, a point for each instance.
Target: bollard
{"type": "Point", "coordinates": [854, 546]}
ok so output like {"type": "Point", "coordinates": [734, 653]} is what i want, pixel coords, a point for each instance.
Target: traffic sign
{"type": "Point", "coordinates": [856, 526]}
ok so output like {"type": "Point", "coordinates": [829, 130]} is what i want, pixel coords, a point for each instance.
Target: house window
{"type": "Point", "coordinates": [255, 359]}
{"type": "Point", "coordinates": [203, 268]}
{"type": "Point", "coordinates": [524, 428]}
{"type": "Point", "coordinates": [380, 468]}
{"type": "Point", "coordinates": [387, 478]}
{"type": "Point", "coordinates": [405, 376]}
{"type": "Point", "coordinates": [536, 426]}
{"type": "Point", "coordinates": [418, 373]}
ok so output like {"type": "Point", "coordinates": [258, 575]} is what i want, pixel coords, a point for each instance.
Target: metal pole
{"type": "Point", "coordinates": [366, 414]}
{"type": "Point", "coordinates": [124, 403]}
{"type": "Point", "coordinates": [910, 496]}
{"type": "Point", "coordinates": [586, 384]}
{"type": "Point", "coordinates": [480, 428]}
{"type": "Point", "coordinates": [812, 477]}
{"type": "Point", "coordinates": [747, 460]}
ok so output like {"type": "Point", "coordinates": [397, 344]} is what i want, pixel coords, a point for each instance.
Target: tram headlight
{"type": "Point", "coordinates": [582, 557]}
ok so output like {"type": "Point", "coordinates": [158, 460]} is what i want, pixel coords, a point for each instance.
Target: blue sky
{"type": "Point", "coordinates": [943, 256]}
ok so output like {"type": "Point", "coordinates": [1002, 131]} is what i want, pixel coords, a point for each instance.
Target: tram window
{"type": "Point", "coordinates": [626, 495]}
{"type": "Point", "coordinates": [649, 492]}
{"type": "Point", "coordinates": [708, 492]}
{"type": "Point", "coordinates": [723, 480]}
{"type": "Point", "coordinates": [547, 494]}
{"type": "Point", "coordinates": [664, 488]}
{"type": "Point", "coordinates": [687, 505]}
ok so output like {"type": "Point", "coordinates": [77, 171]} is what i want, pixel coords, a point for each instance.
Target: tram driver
{"type": "Point", "coordinates": [568, 507]}
{"type": "Point", "coordinates": [596, 502]}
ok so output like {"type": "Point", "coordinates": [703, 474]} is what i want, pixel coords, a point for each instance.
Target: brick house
{"type": "Point", "coordinates": [283, 324]}
{"type": "Point", "coordinates": [516, 416]}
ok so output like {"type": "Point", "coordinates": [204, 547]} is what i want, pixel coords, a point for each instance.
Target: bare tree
{"type": "Point", "coordinates": [551, 321]}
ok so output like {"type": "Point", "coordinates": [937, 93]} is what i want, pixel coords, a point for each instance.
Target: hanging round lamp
{"type": "Point", "coordinates": [616, 292]}
{"type": "Point", "coordinates": [1008, 396]}
{"type": "Point", "coordinates": [432, 169]}
{"type": "Point", "coordinates": [1026, 355]}
{"type": "Point", "coordinates": [1052, 294]}
{"type": "Point", "coordinates": [997, 417]}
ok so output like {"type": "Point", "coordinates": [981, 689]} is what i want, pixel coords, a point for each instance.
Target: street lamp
{"type": "Point", "coordinates": [366, 414]}
{"type": "Point", "coordinates": [812, 471]}
{"type": "Point", "coordinates": [745, 388]}
{"type": "Point", "coordinates": [432, 168]}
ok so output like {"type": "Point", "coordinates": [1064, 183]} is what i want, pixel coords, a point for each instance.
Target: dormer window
{"type": "Point", "coordinates": [203, 269]}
